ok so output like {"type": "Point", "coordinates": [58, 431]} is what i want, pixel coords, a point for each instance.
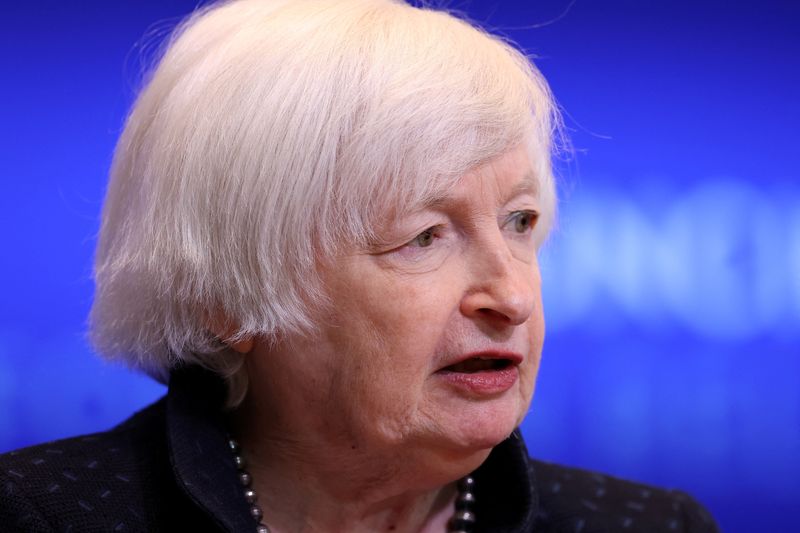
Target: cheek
{"type": "Point", "coordinates": [396, 306]}
{"type": "Point", "coordinates": [387, 329]}
{"type": "Point", "coordinates": [536, 342]}
{"type": "Point", "coordinates": [383, 337]}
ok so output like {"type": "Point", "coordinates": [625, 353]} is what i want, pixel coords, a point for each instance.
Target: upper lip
{"type": "Point", "coordinates": [515, 358]}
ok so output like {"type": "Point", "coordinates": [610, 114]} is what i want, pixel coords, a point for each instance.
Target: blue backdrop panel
{"type": "Point", "coordinates": [672, 283]}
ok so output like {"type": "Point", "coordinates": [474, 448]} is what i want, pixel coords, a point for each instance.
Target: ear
{"type": "Point", "coordinates": [225, 329]}
{"type": "Point", "coordinates": [243, 346]}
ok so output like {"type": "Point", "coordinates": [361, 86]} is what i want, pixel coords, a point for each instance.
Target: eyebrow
{"type": "Point", "coordinates": [527, 185]}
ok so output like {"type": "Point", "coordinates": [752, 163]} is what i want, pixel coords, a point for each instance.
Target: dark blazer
{"type": "Point", "coordinates": [168, 468]}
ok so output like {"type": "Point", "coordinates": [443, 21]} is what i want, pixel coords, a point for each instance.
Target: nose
{"type": "Point", "coordinates": [503, 290]}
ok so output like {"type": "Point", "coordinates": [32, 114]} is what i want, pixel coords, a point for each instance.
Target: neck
{"type": "Point", "coordinates": [299, 507]}
{"type": "Point", "coordinates": [305, 485]}
{"type": "Point", "coordinates": [300, 496]}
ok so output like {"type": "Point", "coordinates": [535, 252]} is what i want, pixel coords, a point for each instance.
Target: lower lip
{"type": "Point", "coordinates": [487, 383]}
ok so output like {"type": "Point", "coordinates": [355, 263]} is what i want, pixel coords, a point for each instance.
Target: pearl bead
{"type": "Point", "coordinates": [262, 529]}
{"type": "Point", "coordinates": [233, 445]}
{"type": "Point", "coordinates": [250, 495]}
{"type": "Point", "coordinates": [255, 512]}
{"type": "Point", "coordinates": [465, 501]}
{"type": "Point", "coordinates": [466, 484]}
{"type": "Point", "coordinates": [245, 479]}
{"type": "Point", "coordinates": [240, 462]}
{"type": "Point", "coordinates": [462, 521]}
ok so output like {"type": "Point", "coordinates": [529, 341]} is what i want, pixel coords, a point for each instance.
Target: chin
{"type": "Point", "coordinates": [485, 426]}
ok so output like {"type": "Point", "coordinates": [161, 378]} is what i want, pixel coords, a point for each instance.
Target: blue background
{"type": "Point", "coordinates": [672, 284]}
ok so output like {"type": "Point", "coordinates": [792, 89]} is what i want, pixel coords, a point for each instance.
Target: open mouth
{"type": "Point", "coordinates": [483, 374]}
{"type": "Point", "coordinates": [478, 364]}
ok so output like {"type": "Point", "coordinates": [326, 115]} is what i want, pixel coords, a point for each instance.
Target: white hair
{"type": "Point", "coordinates": [269, 134]}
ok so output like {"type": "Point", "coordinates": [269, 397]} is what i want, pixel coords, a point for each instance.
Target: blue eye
{"type": "Point", "coordinates": [524, 220]}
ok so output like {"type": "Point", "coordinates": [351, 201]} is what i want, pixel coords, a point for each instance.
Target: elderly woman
{"type": "Point", "coordinates": [321, 230]}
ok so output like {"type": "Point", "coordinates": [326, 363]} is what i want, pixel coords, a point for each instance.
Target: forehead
{"type": "Point", "coordinates": [501, 178]}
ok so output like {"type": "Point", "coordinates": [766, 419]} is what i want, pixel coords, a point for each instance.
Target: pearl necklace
{"type": "Point", "coordinates": [462, 521]}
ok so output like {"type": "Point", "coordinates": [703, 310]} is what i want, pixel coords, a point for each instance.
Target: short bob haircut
{"type": "Point", "coordinates": [274, 134]}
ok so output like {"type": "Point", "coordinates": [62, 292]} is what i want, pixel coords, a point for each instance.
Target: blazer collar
{"type": "Point", "coordinates": [198, 446]}
{"type": "Point", "coordinates": [505, 489]}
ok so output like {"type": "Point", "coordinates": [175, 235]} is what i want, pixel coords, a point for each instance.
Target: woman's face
{"type": "Point", "coordinates": [434, 338]}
